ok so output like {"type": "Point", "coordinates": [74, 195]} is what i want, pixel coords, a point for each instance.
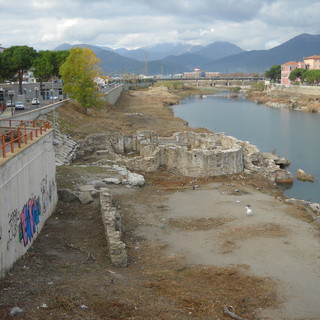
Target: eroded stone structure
{"type": "Point", "coordinates": [189, 153]}
{"type": "Point", "coordinates": [195, 154]}
{"type": "Point", "coordinates": [112, 224]}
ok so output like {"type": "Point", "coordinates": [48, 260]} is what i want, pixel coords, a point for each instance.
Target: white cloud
{"type": "Point", "coordinates": [250, 24]}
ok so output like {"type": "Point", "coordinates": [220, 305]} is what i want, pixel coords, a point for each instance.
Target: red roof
{"type": "Point", "coordinates": [290, 63]}
{"type": "Point", "coordinates": [312, 57]}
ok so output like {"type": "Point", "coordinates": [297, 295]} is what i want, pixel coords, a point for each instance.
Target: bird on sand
{"type": "Point", "coordinates": [249, 210]}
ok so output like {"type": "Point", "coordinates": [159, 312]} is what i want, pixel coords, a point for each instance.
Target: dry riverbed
{"type": "Point", "coordinates": [191, 251]}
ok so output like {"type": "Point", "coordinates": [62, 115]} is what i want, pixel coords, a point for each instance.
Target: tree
{"type": "Point", "coordinates": [312, 76]}
{"type": "Point", "coordinates": [297, 74]}
{"type": "Point", "coordinates": [5, 72]}
{"type": "Point", "coordinates": [79, 72]}
{"type": "Point", "coordinates": [274, 73]}
{"type": "Point", "coordinates": [17, 60]}
{"type": "Point", "coordinates": [57, 58]}
{"type": "Point", "coordinates": [43, 67]}
{"type": "Point", "coordinates": [47, 64]}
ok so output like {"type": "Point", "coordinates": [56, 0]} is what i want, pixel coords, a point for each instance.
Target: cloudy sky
{"type": "Point", "coordinates": [250, 24]}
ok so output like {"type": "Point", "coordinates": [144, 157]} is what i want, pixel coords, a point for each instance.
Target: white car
{"type": "Point", "coordinates": [8, 103]}
{"type": "Point", "coordinates": [19, 105]}
{"type": "Point", "coordinates": [35, 101]}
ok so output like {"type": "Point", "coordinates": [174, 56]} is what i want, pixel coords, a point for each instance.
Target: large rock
{"type": "Point", "coordinates": [85, 197]}
{"type": "Point", "coordinates": [282, 162]}
{"type": "Point", "coordinates": [134, 179]}
{"type": "Point", "coordinates": [112, 180]}
{"type": "Point", "coordinates": [303, 176]}
{"type": "Point", "coordinates": [283, 176]}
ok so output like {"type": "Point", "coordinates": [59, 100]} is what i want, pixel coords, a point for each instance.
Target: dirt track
{"type": "Point", "coordinates": [191, 252]}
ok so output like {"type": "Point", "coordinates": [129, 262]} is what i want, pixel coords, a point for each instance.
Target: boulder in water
{"type": "Point", "coordinates": [303, 176]}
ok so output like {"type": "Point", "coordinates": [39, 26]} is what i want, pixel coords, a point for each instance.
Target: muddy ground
{"type": "Point", "coordinates": [191, 252]}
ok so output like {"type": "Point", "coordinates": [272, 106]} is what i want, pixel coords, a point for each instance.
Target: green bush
{"type": "Point", "coordinates": [171, 85]}
{"type": "Point", "coordinates": [258, 86]}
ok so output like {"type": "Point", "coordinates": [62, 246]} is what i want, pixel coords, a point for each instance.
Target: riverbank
{"type": "Point", "coordinates": [192, 249]}
{"type": "Point", "coordinates": [282, 99]}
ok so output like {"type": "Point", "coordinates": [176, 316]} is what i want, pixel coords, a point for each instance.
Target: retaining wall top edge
{"type": "Point", "coordinates": [17, 150]}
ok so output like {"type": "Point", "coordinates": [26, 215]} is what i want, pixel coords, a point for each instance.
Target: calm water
{"type": "Point", "coordinates": [292, 134]}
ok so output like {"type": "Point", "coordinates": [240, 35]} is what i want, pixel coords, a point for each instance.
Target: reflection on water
{"type": "Point", "coordinates": [291, 134]}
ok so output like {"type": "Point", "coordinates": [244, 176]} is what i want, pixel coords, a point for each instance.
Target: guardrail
{"type": "Point", "coordinates": [19, 132]}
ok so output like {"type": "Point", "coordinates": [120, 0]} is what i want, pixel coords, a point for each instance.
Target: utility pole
{"type": "Point", "coordinates": [145, 64]}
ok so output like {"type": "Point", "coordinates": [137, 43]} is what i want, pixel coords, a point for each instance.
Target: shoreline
{"type": "Point", "coordinates": [314, 206]}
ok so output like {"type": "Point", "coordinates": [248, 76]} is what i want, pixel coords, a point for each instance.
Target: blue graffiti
{"type": "Point", "coordinates": [29, 218]}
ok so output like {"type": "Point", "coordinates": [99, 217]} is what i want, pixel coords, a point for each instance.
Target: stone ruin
{"type": "Point", "coordinates": [196, 154]}
{"type": "Point", "coordinates": [187, 153]}
{"type": "Point", "coordinates": [112, 224]}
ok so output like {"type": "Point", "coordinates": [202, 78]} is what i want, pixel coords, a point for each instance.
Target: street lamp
{"type": "Point", "coordinates": [36, 89]}
{"type": "Point", "coordinates": [53, 115]}
{"type": "Point", "coordinates": [11, 95]}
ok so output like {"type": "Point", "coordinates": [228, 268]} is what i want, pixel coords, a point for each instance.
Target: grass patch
{"type": "Point", "coordinates": [171, 85]}
{"type": "Point", "coordinates": [257, 86]}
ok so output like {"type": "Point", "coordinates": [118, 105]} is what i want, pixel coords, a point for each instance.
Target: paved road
{"type": "Point", "coordinates": [28, 107]}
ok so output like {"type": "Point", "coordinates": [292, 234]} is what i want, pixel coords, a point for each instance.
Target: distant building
{"type": "Point", "coordinates": [1, 48]}
{"type": "Point", "coordinates": [286, 69]}
{"type": "Point", "coordinates": [313, 62]}
{"type": "Point", "coordinates": [197, 73]}
{"type": "Point", "coordinates": [30, 77]}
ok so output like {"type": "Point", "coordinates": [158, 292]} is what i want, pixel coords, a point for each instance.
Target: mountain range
{"type": "Point", "coordinates": [225, 57]}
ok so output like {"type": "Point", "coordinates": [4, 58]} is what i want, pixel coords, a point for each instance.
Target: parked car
{"type": "Point", "coordinates": [8, 103]}
{"type": "Point", "coordinates": [35, 101]}
{"type": "Point", "coordinates": [19, 105]}
{"type": "Point", "coordinates": [53, 98]}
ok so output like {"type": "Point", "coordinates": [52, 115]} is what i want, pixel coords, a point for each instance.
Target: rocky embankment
{"type": "Point", "coordinates": [276, 98]}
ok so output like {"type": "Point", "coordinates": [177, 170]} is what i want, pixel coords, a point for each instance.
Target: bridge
{"type": "Point", "coordinates": [216, 78]}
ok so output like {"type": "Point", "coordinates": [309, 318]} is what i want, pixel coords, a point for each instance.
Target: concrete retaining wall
{"type": "Point", "coordinates": [312, 90]}
{"type": "Point", "coordinates": [28, 196]}
{"type": "Point", "coordinates": [114, 94]}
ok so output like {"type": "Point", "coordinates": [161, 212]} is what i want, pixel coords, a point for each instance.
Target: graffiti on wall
{"type": "Point", "coordinates": [24, 222]}
{"type": "Point", "coordinates": [46, 189]}
{"type": "Point", "coordinates": [14, 219]}
{"type": "Point", "coordinates": [29, 219]}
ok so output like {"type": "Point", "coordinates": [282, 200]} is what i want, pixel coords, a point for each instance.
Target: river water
{"type": "Point", "coordinates": [292, 134]}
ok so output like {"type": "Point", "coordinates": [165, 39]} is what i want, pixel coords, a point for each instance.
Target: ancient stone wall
{"type": "Point", "coordinates": [112, 224]}
{"type": "Point", "coordinates": [191, 154]}
{"type": "Point", "coordinates": [187, 153]}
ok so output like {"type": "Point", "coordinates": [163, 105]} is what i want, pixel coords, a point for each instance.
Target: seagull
{"type": "Point", "coordinates": [249, 210]}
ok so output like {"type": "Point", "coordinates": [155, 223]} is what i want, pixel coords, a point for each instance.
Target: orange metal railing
{"type": "Point", "coordinates": [16, 133]}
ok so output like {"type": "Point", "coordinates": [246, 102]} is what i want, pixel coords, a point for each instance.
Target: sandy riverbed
{"type": "Point", "coordinates": [272, 242]}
